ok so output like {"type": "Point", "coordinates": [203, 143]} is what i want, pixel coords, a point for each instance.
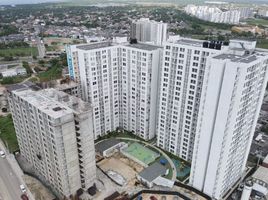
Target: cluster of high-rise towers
{"type": "Point", "coordinates": [200, 99]}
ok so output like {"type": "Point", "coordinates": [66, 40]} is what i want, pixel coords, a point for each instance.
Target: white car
{"type": "Point", "coordinates": [22, 188]}
{"type": "Point", "coordinates": [2, 154]}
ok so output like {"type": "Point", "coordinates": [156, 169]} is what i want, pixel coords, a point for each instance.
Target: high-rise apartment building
{"type": "Point", "coordinates": [55, 136]}
{"type": "Point", "coordinates": [121, 83]}
{"type": "Point", "coordinates": [181, 78]}
{"type": "Point", "coordinates": [145, 30]}
{"type": "Point", "coordinates": [233, 89]}
{"type": "Point", "coordinates": [214, 14]}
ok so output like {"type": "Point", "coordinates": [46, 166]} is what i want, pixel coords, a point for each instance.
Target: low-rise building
{"type": "Point", "coordinates": [151, 173]}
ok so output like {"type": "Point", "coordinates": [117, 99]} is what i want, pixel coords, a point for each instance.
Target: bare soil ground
{"type": "Point", "coordinates": [39, 191]}
{"type": "Point", "coordinates": [123, 166]}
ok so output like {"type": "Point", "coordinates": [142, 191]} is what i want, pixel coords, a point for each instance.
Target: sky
{"type": "Point", "coordinates": [10, 2]}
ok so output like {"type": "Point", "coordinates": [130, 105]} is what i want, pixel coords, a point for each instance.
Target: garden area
{"type": "Point", "coordinates": [8, 134]}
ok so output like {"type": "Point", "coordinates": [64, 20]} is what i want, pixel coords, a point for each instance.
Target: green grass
{"type": "Point", "coordinates": [51, 48]}
{"type": "Point", "coordinates": [257, 22]}
{"type": "Point", "coordinates": [262, 43]}
{"type": "Point", "coordinates": [141, 153]}
{"type": "Point", "coordinates": [13, 80]}
{"type": "Point", "coordinates": [8, 134]}
{"type": "Point", "coordinates": [51, 74]}
{"type": "Point", "coordinates": [23, 51]}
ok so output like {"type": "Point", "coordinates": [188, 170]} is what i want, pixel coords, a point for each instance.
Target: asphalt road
{"type": "Point", "coordinates": [41, 48]}
{"type": "Point", "coordinates": [9, 182]}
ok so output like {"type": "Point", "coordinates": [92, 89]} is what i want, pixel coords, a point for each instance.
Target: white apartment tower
{"type": "Point", "coordinates": [55, 136]}
{"type": "Point", "coordinates": [121, 83]}
{"type": "Point", "coordinates": [233, 89]}
{"type": "Point", "coordinates": [145, 30]}
{"type": "Point", "coordinates": [181, 78]}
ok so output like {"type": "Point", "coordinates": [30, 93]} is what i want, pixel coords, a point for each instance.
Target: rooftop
{"type": "Point", "coordinates": [261, 174]}
{"type": "Point", "coordinates": [247, 58]}
{"type": "Point", "coordinates": [106, 144]}
{"type": "Point", "coordinates": [143, 46]}
{"type": "Point", "coordinates": [94, 46]}
{"type": "Point", "coordinates": [50, 101]}
{"type": "Point", "coordinates": [191, 42]}
{"type": "Point", "coordinates": [152, 172]}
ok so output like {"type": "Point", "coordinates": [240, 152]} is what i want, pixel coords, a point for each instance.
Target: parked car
{"type": "Point", "coordinates": [24, 197]}
{"type": "Point", "coordinates": [22, 188]}
{"type": "Point", "coordinates": [153, 198]}
{"type": "Point", "coordinates": [2, 154]}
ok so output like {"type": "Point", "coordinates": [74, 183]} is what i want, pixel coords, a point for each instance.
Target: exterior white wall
{"type": "Point", "coordinates": [230, 107]}
{"type": "Point", "coordinates": [121, 83]}
{"type": "Point", "coordinates": [145, 30]}
{"type": "Point", "coordinates": [181, 79]}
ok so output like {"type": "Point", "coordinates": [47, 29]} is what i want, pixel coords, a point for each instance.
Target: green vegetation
{"type": "Point", "coordinates": [12, 80]}
{"type": "Point", "coordinates": [7, 30]}
{"type": "Point", "coordinates": [257, 22]}
{"type": "Point", "coordinates": [34, 79]}
{"type": "Point", "coordinates": [51, 48]}
{"type": "Point", "coordinates": [55, 71]}
{"type": "Point", "coordinates": [27, 67]}
{"type": "Point", "coordinates": [8, 134]}
{"type": "Point", "coordinates": [122, 133]}
{"type": "Point", "coordinates": [12, 45]}
{"type": "Point", "coordinates": [262, 43]}
{"type": "Point", "coordinates": [264, 129]}
{"type": "Point", "coordinates": [23, 51]}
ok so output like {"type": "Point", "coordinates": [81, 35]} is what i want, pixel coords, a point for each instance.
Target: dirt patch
{"type": "Point", "coordinates": [39, 191]}
{"type": "Point", "coordinates": [123, 166]}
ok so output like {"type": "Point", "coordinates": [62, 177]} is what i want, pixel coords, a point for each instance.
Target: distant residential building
{"type": "Point", "coordinates": [8, 70]}
{"type": "Point", "coordinates": [3, 100]}
{"type": "Point", "coordinates": [145, 30]}
{"type": "Point", "coordinates": [121, 82]}
{"type": "Point", "coordinates": [233, 90]}
{"type": "Point", "coordinates": [213, 14]}
{"type": "Point", "coordinates": [55, 136]}
{"type": "Point", "coordinates": [246, 12]}
{"type": "Point", "coordinates": [263, 12]}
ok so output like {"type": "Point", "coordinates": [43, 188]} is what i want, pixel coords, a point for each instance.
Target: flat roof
{"type": "Point", "coordinates": [143, 46]}
{"type": "Point", "coordinates": [265, 159]}
{"type": "Point", "coordinates": [152, 172]}
{"type": "Point", "coordinates": [106, 144]}
{"type": "Point", "coordinates": [240, 59]}
{"type": "Point", "coordinates": [192, 42]}
{"type": "Point", "coordinates": [94, 46]}
{"type": "Point", "coordinates": [51, 101]}
{"type": "Point", "coordinates": [261, 174]}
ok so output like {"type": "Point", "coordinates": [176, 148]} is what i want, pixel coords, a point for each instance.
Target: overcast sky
{"type": "Point", "coordinates": [9, 2]}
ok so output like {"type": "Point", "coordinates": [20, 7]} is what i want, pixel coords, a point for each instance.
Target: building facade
{"type": "Point", "coordinates": [121, 83]}
{"type": "Point", "coordinates": [145, 30]}
{"type": "Point", "coordinates": [181, 78]}
{"type": "Point", "coordinates": [214, 14]}
{"type": "Point", "coordinates": [55, 136]}
{"type": "Point", "coordinates": [230, 103]}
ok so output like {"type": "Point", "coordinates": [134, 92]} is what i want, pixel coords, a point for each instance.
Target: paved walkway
{"type": "Point", "coordinates": [174, 170]}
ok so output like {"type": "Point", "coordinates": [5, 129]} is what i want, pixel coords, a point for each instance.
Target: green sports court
{"type": "Point", "coordinates": [141, 153]}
